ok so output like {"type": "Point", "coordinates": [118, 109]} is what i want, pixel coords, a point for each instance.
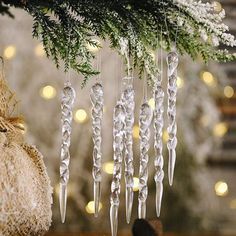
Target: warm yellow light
{"type": "Point", "coordinates": [151, 103]}
{"type": "Point", "coordinates": [165, 136]}
{"type": "Point", "coordinates": [39, 50]}
{"type": "Point", "coordinates": [232, 204]}
{"type": "Point", "coordinates": [180, 82]}
{"type": "Point", "coordinates": [208, 78]}
{"type": "Point", "coordinates": [93, 48]}
{"type": "Point", "coordinates": [136, 131]}
{"type": "Point", "coordinates": [108, 167]}
{"type": "Point", "coordinates": [220, 129]}
{"type": "Point", "coordinates": [48, 92]}
{"type": "Point", "coordinates": [217, 6]}
{"type": "Point", "coordinates": [90, 207]}
{"type": "Point", "coordinates": [80, 116]}
{"type": "Point", "coordinates": [221, 188]}
{"type": "Point", "coordinates": [10, 52]}
{"type": "Point", "coordinates": [136, 184]}
{"type": "Point", "coordinates": [228, 91]}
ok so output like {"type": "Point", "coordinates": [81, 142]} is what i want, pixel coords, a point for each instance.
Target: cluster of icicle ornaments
{"type": "Point", "coordinates": [123, 122]}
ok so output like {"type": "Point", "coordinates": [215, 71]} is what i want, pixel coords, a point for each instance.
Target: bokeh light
{"type": "Point", "coordinates": [39, 50]}
{"type": "Point", "coordinates": [90, 207]}
{"type": "Point", "coordinates": [9, 52]}
{"type": "Point", "coordinates": [228, 91]}
{"type": "Point", "coordinates": [208, 78]}
{"type": "Point", "coordinates": [221, 188]}
{"type": "Point", "coordinates": [80, 116]}
{"type": "Point", "coordinates": [108, 167]}
{"type": "Point", "coordinates": [48, 92]}
{"type": "Point", "coordinates": [220, 129]}
{"type": "Point", "coordinates": [180, 82]}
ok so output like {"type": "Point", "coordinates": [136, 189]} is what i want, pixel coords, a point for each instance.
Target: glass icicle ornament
{"type": "Point", "coordinates": [118, 147]}
{"type": "Point", "coordinates": [97, 100]}
{"type": "Point", "coordinates": [158, 127]}
{"type": "Point", "coordinates": [145, 120]}
{"type": "Point", "coordinates": [127, 98]}
{"type": "Point", "coordinates": [68, 97]}
{"type": "Point", "coordinates": [172, 63]}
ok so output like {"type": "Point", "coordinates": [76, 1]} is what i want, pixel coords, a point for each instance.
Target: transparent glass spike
{"type": "Point", "coordinates": [158, 145]}
{"type": "Point", "coordinates": [97, 100]}
{"type": "Point", "coordinates": [127, 98]}
{"type": "Point", "coordinates": [68, 97]}
{"type": "Point", "coordinates": [172, 63]}
{"type": "Point", "coordinates": [118, 148]}
{"type": "Point", "coordinates": [145, 119]}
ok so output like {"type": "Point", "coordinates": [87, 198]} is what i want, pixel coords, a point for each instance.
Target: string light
{"type": "Point", "coordinates": [39, 50]}
{"type": "Point", "coordinates": [93, 48]}
{"type": "Point", "coordinates": [90, 207]}
{"type": "Point", "coordinates": [220, 129]}
{"type": "Point", "coordinates": [80, 116]}
{"type": "Point", "coordinates": [180, 82]}
{"type": "Point", "coordinates": [208, 78]}
{"type": "Point", "coordinates": [48, 92]}
{"type": "Point", "coordinates": [228, 91]}
{"type": "Point", "coordinates": [9, 52]}
{"type": "Point", "coordinates": [136, 131]}
{"type": "Point", "coordinates": [221, 189]}
{"type": "Point", "coordinates": [151, 103]}
{"type": "Point", "coordinates": [136, 184]}
{"type": "Point", "coordinates": [108, 167]}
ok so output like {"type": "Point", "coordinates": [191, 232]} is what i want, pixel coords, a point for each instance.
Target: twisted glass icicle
{"type": "Point", "coordinates": [145, 120]}
{"type": "Point", "coordinates": [172, 63]}
{"type": "Point", "coordinates": [158, 126]}
{"type": "Point", "coordinates": [129, 104]}
{"type": "Point", "coordinates": [118, 147]}
{"type": "Point", "coordinates": [97, 100]}
{"type": "Point", "coordinates": [68, 97]}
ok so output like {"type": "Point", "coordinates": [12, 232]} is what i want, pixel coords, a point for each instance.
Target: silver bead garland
{"type": "Point", "coordinates": [145, 120]}
{"type": "Point", "coordinates": [118, 147]}
{"type": "Point", "coordinates": [129, 104]}
{"type": "Point", "coordinates": [172, 63]}
{"type": "Point", "coordinates": [158, 127]}
{"type": "Point", "coordinates": [97, 100]}
{"type": "Point", "coordinates": [68, 97]}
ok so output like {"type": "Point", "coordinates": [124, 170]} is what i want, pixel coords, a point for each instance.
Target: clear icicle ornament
{"type": "Point", "coordinates": [145, 120]}
{"type": "Point", "coordinates": [172, 64]}
{"type": "Point", "coordinates": [118, 147]}
{"type": "Point", "coordinates": [68, 97]}
{"type": "Point", "coordinates": [97, 100]}
{"type": "Point", "coordinates": [158, 127]}
{"type": "Point", "coordinates": [127, 98]}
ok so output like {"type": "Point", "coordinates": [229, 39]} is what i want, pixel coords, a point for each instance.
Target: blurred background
{"type": "Point", "coordinates": [202, 200]}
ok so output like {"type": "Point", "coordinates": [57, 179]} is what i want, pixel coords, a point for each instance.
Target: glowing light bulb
{"type": "Point", "coordinates": [80, 116]}
{"type": "Point", "coordinates": [221, 188]}
{"type": "Point", "coordinates": [220, 129]}
{"type": "Point", "coordinates": [136, 184]}
{"type": "Point", "coordinates": [228, 91]}
{"type": "Point", "coordinates": [108, 167]}
{"type": "Point", "coordinates": [208, 78]}
{"type": "Point", "coordinates": [151, 103]}
{"type": "Point", "coordinates": [90, 207]}
{"type": "Point", "coordinates": [39, 50]}
{"type": "Point", "coordinates": [93, 48]}
{"type": "Point", "coordinates": [9, 52]}
{"type": "Point", "coordinates": [48, 92]}
{"type": "Point", "coordinates": [136, 131]}
{"type": "Point", "coordinates": [180, 82]}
